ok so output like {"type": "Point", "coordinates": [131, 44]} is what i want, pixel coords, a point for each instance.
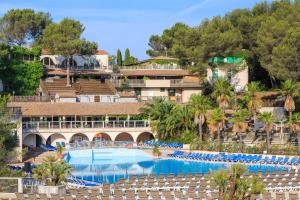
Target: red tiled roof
{"type": "Point", "coordinates": [79, 109]}
{"type": "Point", "coordinates": [101, 52]}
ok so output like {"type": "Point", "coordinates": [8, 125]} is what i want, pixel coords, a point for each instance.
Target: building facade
{"type": "Point", "coordinates": [235, 70]}
{"type": "Point", "coordinates": [62, 123]}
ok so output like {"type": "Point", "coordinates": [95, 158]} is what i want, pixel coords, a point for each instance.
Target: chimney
{"type": "Point", "coordinates": [68, 77]}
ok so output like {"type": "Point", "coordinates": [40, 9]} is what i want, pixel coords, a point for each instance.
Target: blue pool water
{"type": "Point", "coordinates": [110, 164]}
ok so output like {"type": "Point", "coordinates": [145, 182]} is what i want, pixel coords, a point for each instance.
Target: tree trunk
{"type": "Point", "coordinates": [268, 142]}
{"type": "Point", "coordinates": [200, 128]}
{"type": "Point", "coordinates": [254, 119]}
{"type": "Point", "coordinates": [290, 116]}
{"type": "Point", "coordinates": [240, 142]}
{"type": "Point", "coordinates": [219, 138]}
{"type": "Point", "coordinates": [298, 138]}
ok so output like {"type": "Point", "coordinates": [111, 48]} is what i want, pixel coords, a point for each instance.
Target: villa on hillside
{"type": "Point", "coordinates": [158, 77]}
{"type": "Point", "coordinates": [235, 70]}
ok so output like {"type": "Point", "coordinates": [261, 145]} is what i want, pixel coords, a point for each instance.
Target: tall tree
{"type": "Point", "coordinates": [19, 26]}
{"type": "Point", "coordinates": [8, 141]}
{"type": "Point", "coordinates": [64, 38]}
{"type": "Point", "coordinates": [240, 125]}
{"type": "Point", "coordinates": [250, 97]}
{"type": "Point", "coordinates": [289, 90]}
{"type": "Point", "coordinates": [222, 92]}
{"type": "Point", "coordinates": [217, 119]}
{"type": "Point", "coordinates": [199, 106]}
{"type": "Point", "coordinates": [127, 59]}
{"type": "Point", "coordinates": [119, 58]}
{"type": "Point", "coordinates": [267, 118]}
{"type": "Point", "coordinates": [295, 124]}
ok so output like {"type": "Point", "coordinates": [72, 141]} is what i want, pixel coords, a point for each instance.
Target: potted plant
{"type": "Point", "coordinates": [156, 151]}
{"type": "Point", "coordinates": [59, 151]}
{"type": "Point", "coordinates": [52, 173]}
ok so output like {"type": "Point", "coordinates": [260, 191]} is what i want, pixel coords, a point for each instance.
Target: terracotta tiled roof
{"type": "Point", "coordinates": [63, 72]}
{"type": "Point", "coordinates": [45, 52]}
{"type": "Point", "coordinates": [67, 94]}
{"type": "Point", "coordinates": [101, 52]}
{"type": "Point", "coordinates": [126, 94]}
{"type": "Point", "coordinates": [79, 109]}
{"type": "Point", "coordinates": [82, 86]}
{"type": "Point", "coordinates": [154, 72]}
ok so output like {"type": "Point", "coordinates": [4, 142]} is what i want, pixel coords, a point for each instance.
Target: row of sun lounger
{"type": "Point", "coordinates": [163, 144]}
{"type": "Point", "coordinates": [244, 158]}
{"type": "Point", "coordinates": [196, 187]}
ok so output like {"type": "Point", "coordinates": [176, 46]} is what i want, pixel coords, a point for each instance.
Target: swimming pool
{"type": "Point", "coordinates": [110, 164]}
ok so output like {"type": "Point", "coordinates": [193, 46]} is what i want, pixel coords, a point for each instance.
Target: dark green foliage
{"type": "Point", "coordinates": [119, 58]}
{"type": "Point", "coordinates": [22, 77]}
{"type": "Point", "coordinates": [7, 140]}
{"type": "Point", "coordinates": [64, 39]}
{"type": "Point", "coordinates": [267, 36]}
{"type": "Point", "coordinates": [20, 26]}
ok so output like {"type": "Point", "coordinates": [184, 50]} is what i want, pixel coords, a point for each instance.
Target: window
{"type": "Point", "coordinates": [138, 91]}
{"type": "Point", "coordinates": [96, 98]}
{"type": "Point", "coordinates": [171, 92]}
{"type": "Point", "coordinates": [162, 89]}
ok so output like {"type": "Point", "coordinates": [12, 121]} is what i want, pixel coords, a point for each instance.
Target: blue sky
{"type": "Point", "coordinates": [128, 23]}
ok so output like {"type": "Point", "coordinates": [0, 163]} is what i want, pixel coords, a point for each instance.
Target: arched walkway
{"type": "Point", "coordinates": [78, 137]}
{"type": "Point", "coordinates": [47, 61]}
{"type": "Point", "coordinates": [144, 136]}
{"type": "Point", "coordinates": [102, 136]}
{"type": "Point", "coordinates": [33, 140]}
{"type": "Point", "coordinates": [124, 137]}
{"type": "Point", "coordinates": [72, 63]}
{"type": "Point", "coordinates": [55, 139]}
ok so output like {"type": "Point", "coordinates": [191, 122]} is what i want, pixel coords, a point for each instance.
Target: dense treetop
{"type": "Point", "coordinates": [22, 26]}
{"type": "Point", "coordinates": [267, 36]}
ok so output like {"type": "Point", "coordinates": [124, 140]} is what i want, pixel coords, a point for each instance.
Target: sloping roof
{"type": "Point", "coordinates": [126, 94]}
{"type": "Point", "coordinates": [101, 52]}
{"type": "Point", "coordinates": [82, 86]}
{"type": "Point", "coordinates": [63, 72]}
{"type": "Point", "coordinates": [154, 72]}
{"type": "Point", "coordinates": [80, 109]}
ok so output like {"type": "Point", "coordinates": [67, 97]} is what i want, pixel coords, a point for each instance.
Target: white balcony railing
{"type": "Point", "coordinates": [36, 125]}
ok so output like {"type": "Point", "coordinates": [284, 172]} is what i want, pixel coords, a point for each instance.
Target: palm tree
{"type": "Point", "coordinates": [199, 105]}
{"type": "Point", "coordinates": [52, 171]}
{"type": "Point", "coordinates": [158, 111]}
{"type": "Point", "coordinates": [59, 151]}
{"type": "Point", "coordinates": [267, 118]}
{"type": "Point", "coordinates": [295, 123]}
{"type": "Point", "coordinates": [289, 90]}
{"type": "Point", "coordinates": [156, 151]}
{"type": "Point", "coordinates": [251, 98]}
{"type": "Point", "coordinates": [217, 119]}
{"type": "Point", "coordinates": [221, 178]}
{"type": "Point", "coordinates": [239, 123]}
{"type": "Point", "coordinates": [231, 185]}
{"type": "Point", "coordinates": [223, 93]}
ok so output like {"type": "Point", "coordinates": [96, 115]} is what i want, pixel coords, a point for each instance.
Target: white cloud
{"type": "Point", "coordinates": [195, 7]}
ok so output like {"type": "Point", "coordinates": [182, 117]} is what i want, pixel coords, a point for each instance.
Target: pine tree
{"type": "Point", "coordinates": [119, 58]}
{"type": "Point", "coordinates": [127, 59]}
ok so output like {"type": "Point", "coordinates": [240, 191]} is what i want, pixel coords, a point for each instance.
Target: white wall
{"type": "Point", "coordinates": [102, 59]}
{"type": "Point", "coordinates": [57, 138]}
{"type": "Point", "coordinates": [69, 100]}
{"type": "Point", "coordinates": [187, 93]}
{"type": "Point", "coordinates": [30, 140]}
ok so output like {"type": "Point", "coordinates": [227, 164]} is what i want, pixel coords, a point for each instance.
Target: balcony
{"type": "Point", "coordinates": [38, 125]}
{"type": "Point", "coordinates": [30, 99]}
{"type": "Point", "coordinates": [184, 83]}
